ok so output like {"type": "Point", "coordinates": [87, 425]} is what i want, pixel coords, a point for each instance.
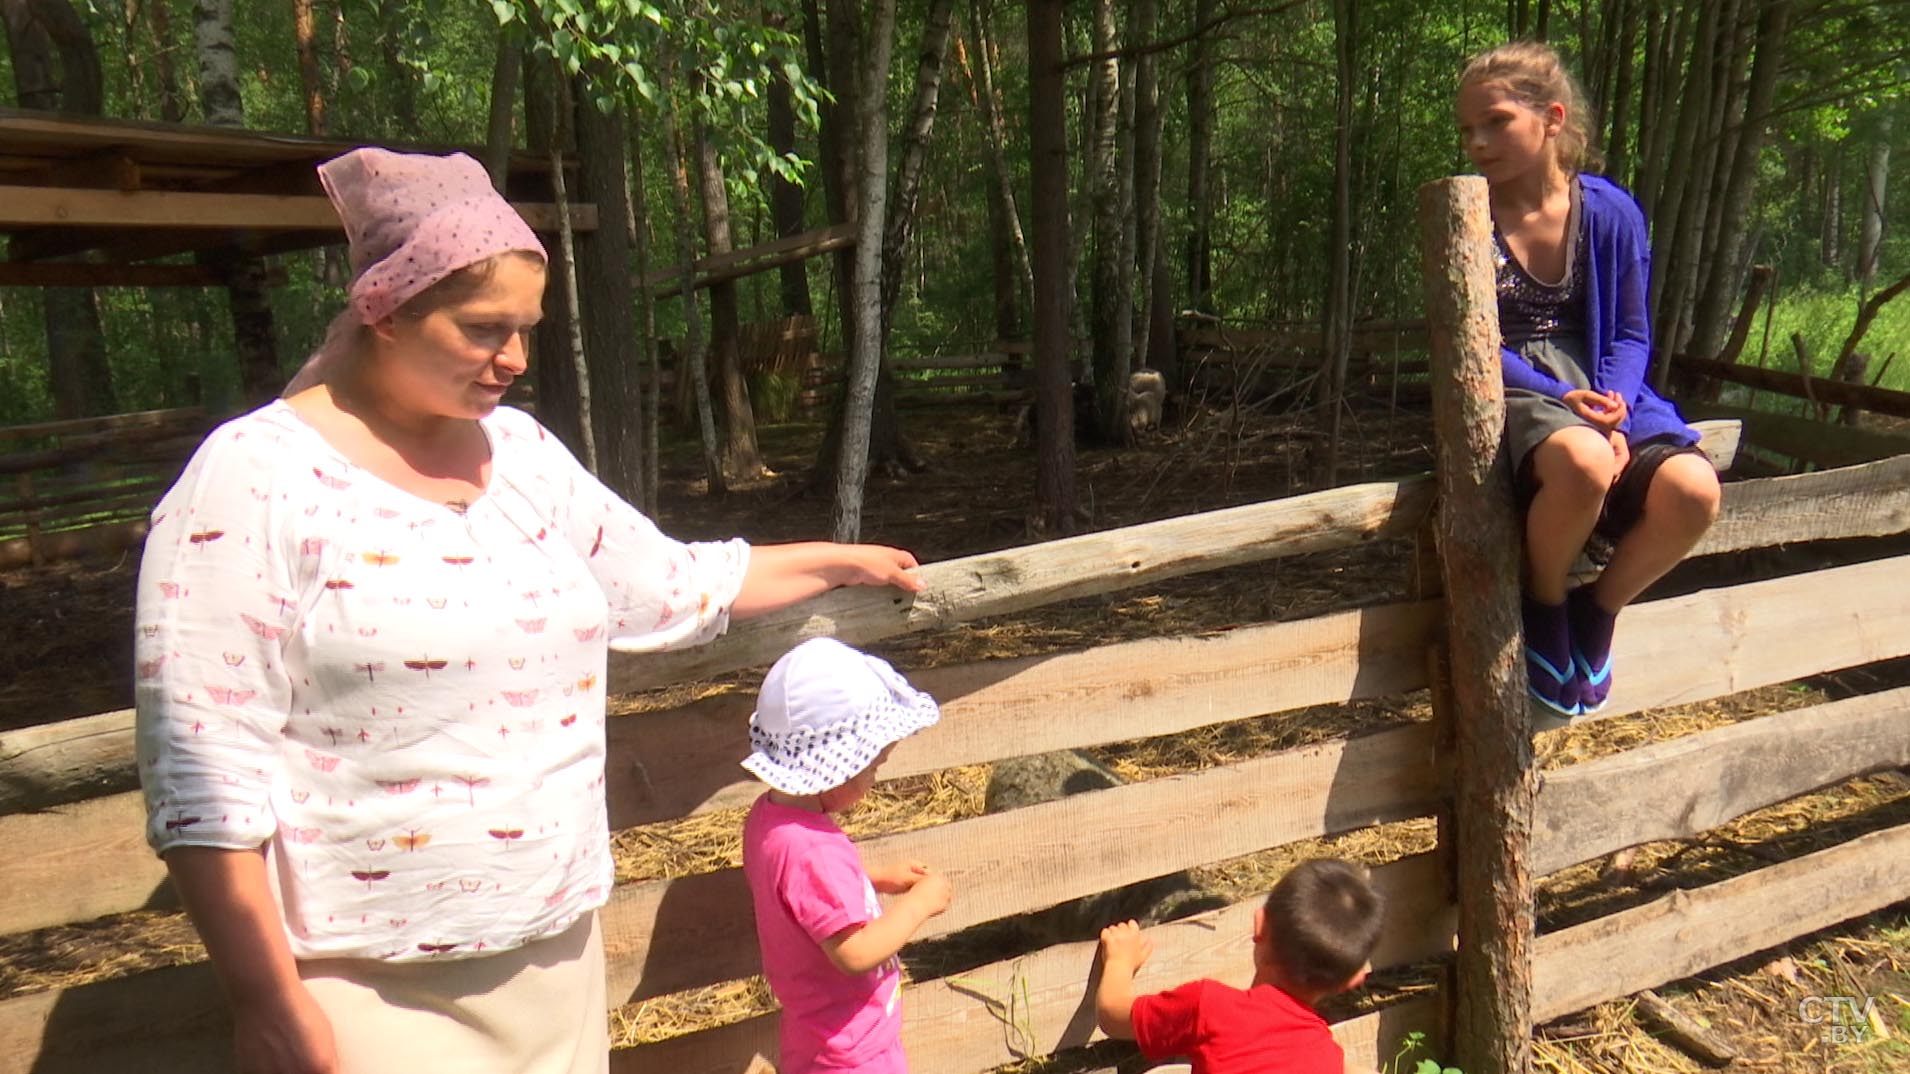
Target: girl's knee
{"type": "Point", "coordinates": [1687, 489]}
{"type": "Point", "coordinates": [1578, 458]}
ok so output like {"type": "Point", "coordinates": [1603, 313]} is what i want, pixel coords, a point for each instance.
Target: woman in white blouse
{"type": "Point", "coordinates": [372, 634]}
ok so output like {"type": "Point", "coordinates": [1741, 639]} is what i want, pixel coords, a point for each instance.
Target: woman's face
{"type": "Point", "coordinates": [458, 359]}
{"type": "Point", "coordinates": [1503, 136]}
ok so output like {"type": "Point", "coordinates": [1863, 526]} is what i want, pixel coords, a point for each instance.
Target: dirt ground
{"type": "Point", "coordinates": [67, 653]}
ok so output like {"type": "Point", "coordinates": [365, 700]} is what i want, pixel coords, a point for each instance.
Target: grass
{"type": "Point", "coordinates": [1824, 319]}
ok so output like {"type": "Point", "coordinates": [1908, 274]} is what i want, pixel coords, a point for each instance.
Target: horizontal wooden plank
{"type": "Point", "coordinates": [1041, 1003]}
{"type": "Point", "coordinates": [1677, 789]}
{"type": "Point", "coordinates": [190, 416]}
{"type": "Point", "coordinates": [173, 1021]}
{"type": "Point", "coordinates": [668, 935]}
{"type": "Point", "coordinates": [152, 487]}
{"type": "Point", "coordinates": [77, 862]}
{"type": "Point", "coordinates": [73, 544]}
{"type": "Point", "coordinates": [739, 263]}
{"type": "Point", "coordinates": [1868, 500]}
{"type": "Point", "coordinates": [1689, 931]}
{"type": "Point", "coordinates": [1816, 442]}
{"type": "Point", "coordinates": [1722, 641]}
{"type": "Point", "coordinates": [996, 583]}
{"type": "Point", "coordinates": [682, 761]}
{"type": "Point", "coordinates": [32, 206]}
{"type": "Point", "coordinates": [93, 274]}
{"type": "Point", "coordinates": [1820, 389]}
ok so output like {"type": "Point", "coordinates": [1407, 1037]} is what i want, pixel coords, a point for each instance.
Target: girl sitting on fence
{"type": "Point", "coordinates": [1592, 446]}
{"type": "Point", "coordinates": [825, 721]}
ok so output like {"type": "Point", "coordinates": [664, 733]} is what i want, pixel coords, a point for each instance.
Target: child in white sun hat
{"type": "Point", "coordinates": [826, 719]}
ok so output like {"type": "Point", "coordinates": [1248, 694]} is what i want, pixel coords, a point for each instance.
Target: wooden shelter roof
{"type": "Point", "coordinates": [122, 192]}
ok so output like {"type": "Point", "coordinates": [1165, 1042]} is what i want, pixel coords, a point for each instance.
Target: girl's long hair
{"type": "Point", "coordinates": [1531, 73]}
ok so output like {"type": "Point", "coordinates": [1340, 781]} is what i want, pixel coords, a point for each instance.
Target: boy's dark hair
{"type": "Point", "coordinates": [1323, 921]}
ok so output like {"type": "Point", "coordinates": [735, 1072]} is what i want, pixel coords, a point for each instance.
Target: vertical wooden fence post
{"type": "Point", "coordinates": [1479, 540]}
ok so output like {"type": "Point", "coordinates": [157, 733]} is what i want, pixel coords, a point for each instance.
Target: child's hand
{"type": "Point", "coordinates": [1621, 454]}
{"type": "Point", "coordinates": [930, 892]}
{"type": "Point", "coordinates": [1125, 946]}
{"type": "Point", "coordinates": [1606, 410]}
{"type": "Point", "coordinates": [898, 878]}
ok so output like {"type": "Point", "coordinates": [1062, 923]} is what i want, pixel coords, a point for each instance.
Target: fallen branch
{"type": "Point", "coordinates": [1683, 1031]}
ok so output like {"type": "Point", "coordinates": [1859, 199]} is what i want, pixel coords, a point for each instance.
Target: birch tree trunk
{"type": "Point", "coordinates": [1002, 185]}
{"type": "Point", "coordinates": [567, 274]}
{"type": "Point", "coordinates": [1154, 342]}
{"type": "Point", "coordinates": [252, 326]}
{"type": "Point", "coordinates": [1876, 184]}
{"type": "Point", "coordinates": [872, 194]}
{"type": "Point", "coordinates": [1112, 328]}
{"type": "Point", "coordinates": [1055, 500]}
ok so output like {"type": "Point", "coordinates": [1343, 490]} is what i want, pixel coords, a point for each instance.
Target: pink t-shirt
{"type": "Point", "coordinates": [808, 884]}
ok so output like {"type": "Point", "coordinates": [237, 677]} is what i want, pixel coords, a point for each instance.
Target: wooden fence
{"type": "Point", "coordinates": [88, 484]}
{"type": "Point", "coordinates": [73, 824]}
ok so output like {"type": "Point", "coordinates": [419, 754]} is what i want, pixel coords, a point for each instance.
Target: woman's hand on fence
{"type": "Point", "coordinates": [897, 878]}
{"type": "Point", "coordinates": [1607, 410]}
{"type": "Point", "coordinates": [284, 1033]}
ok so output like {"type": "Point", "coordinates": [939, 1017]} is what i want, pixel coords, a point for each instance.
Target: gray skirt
{"type": "Point", "coordinates": [1531, 417]}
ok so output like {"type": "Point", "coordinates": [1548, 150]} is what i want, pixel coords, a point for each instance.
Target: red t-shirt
{"type": "Point", "coordinates": [1222, 1030]}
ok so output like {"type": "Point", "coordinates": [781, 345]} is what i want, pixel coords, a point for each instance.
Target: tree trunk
{"type": "Point", "coordinates": [1719, 287]}
{"type": "Point", "coordinates": [172, 104]}
{"type": "Point", "coordinates": [311, 85]}
{"type": "Point", "coordinates": [1002, 179]}
{"type": "Point", "coordinates": [603, 271]}
{"type": "Point", "coordinates": [1876, 184]}
{"type": "Point", "coordinates": [499, 136]}
{"type": "Point", "coordinates": [742, 461]}
{"type": "Point", "coordinates": [38, 33]}
{"type": "Point", "coordinates": [1672, 224]}
{"type": "Point", "coordinates": [1200, 151]}
{"type": "Point", "coordinates": [1617, 155]}
{"type": "Point", "coordinates": [691, 363]}
{"type": "Point", "coordinates": [1338, 332]}
{"type": "Point", "coordinates": [1830, 236]}
{"type": "Point", "coordinates": [872, 195]}
{"type": "Point", "coordinates": [1055, 502]}
{"type": "Point", "coordinates": [1112, 329]}
{"type": "Point", "coordinates": [650, 400]}
{"type": "Point", "coordinates": [1155, 304]}
{"type": "Point", "coordinates": [252, 326]}
{"type": "Point", "coordinates": [402, 122]}
{"type": "Point", "coordinates": [553, 367]}
{"type": "Point", "coordinates": [785, 198]}
{"type": "Point", "coordinates": [567, 275]}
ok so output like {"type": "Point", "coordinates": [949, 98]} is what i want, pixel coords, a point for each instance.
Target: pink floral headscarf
{"type": "Point", "coordinates": [412, 219]}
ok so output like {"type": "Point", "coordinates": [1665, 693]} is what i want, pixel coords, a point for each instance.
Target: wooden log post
{"type": "Point", "coordinates": [1495, 782]}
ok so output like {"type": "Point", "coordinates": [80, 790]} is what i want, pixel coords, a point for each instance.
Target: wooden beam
{"type": "Point", "coordinates": [92, 274]}
{"type": "Point", "coordinates": [1870, 500]}
{"type": "Point", "coordinates": [73, 544]}
{"type": "Point", "coordinates": [28, 206]}
{"type": "Point", "coordinates": [1817, 389]}
{"type": "Point", "coordinates": [191, 417]}
{"type": "Point", "coordinates": [663, 936]}
{"type": "Point", "coordinates": [997, 583]}
{"type": "Point", "coordinates": [1040, 1003]}
{"type": "Point", "coordinates": [1805, 440]}
{"type": "Point", "coordinates": [1496, 782]}
{"type": "Point", "coordinates": [1677, 789]}
{"type": "Point", "coordinates": [1693, 930]}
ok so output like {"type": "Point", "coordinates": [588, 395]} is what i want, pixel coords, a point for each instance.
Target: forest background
{"type": "Point", "coordinates": [1248, 164]}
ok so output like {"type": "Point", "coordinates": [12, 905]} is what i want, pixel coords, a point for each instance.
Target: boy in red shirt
{"type": "Point", "coordinates": [1312, 938]}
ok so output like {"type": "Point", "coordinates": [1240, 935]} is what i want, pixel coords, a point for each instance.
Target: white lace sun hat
{"type": "Point", "coordinates": [825, 712]}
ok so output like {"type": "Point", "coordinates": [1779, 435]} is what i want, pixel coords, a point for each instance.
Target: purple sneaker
{"type": "Point", "coordinates": [1550, 672]}
{"type": "Point", "coordinates": [1591, 638]}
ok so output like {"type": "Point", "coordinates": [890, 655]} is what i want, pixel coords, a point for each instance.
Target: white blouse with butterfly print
{"type": "Point", "coordinates": [404, 703]}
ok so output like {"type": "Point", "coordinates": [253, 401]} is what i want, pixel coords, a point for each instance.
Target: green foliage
{"type": "Point", "coordinates": [1414, 1044]}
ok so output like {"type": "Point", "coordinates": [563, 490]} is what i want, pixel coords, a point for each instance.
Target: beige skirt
{"type": "Point", "coordinates": [537, 1010]}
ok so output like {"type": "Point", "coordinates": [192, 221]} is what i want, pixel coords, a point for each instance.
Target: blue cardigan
{"type": "Point", "coordinates": [1617, 316]}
